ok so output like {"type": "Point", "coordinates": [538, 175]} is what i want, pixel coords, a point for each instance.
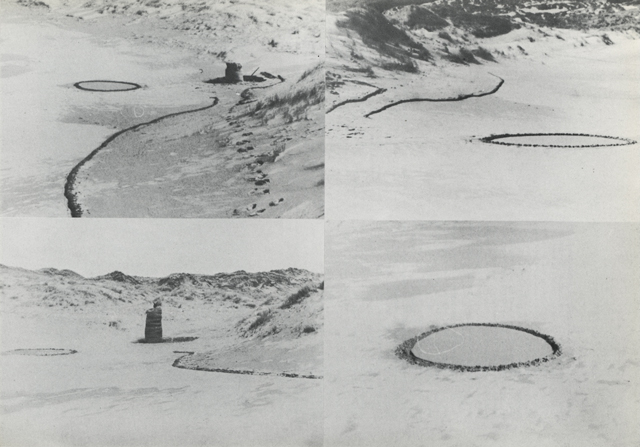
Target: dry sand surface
{"type": "Point", "coordinates": [115, 391]}
{"type": "Point", "coordinates": [182, 167]}
{"type": "Point", "coordinates": [425, 160]}
{"type": "Point", "coordinates": [388, 282]}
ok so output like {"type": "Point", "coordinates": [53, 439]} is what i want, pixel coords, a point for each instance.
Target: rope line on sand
{"type": "Point", "coordinates": [362, 99]}
{"type": "Point", "coordinates": [41, 352]}
{"type": "Point", "coordinates": [457, 98]}
{"type": "Point", "coordinates": [177, 364]}
{"type": "Point", "coordinates": [69, 186]}
{"type": "Point", "coordinates": [492, 139]}
{"type": "Point", "coordinates": [246, 100]}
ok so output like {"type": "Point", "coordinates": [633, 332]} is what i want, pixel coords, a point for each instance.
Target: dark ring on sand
{"type": "Point", "coordinates": [492, 139]}
{"type": "Point", "coordinates": [168, 340]}
{"type": "Point", "coordinates": [41, 352]}
{"type": "Point", "coordinates": [404, 351]}
{"type": "Point", "coordinates": [131, 86]}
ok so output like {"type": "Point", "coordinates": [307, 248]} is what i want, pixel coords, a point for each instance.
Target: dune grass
{"type": "Point", "coordinates": [292, 102]}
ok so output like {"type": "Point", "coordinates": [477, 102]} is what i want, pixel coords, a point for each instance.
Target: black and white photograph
{"type": "Point", "coordinates": [181, 181]}
{"type": "Point", "coordinates": [483, 110]}
{"type": "Point", "coordinates": [209, 109]}
{"type": "Point", "coordinates": [482, 334]}
{"type": "Point", "coordinates": [138, 332]}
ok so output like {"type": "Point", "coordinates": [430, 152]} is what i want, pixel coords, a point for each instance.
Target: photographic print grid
{"type": "Point", "coordinates": [181, 181]}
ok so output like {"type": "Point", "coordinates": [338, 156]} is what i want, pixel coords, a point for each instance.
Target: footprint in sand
{"type": "Point", "coordinates": [255, 213]}
{"type": "Point", "coordinates": [257, 191]}
{"type": "Point", "coordinates": [255, 164]}
{"type": "Point", "coordinates": [280, 200]}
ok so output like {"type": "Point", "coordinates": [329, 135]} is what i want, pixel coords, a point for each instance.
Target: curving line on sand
{"type": "Point", "coordinates": [259, 87]}
{"type": "Point", "coordinates": [457, 98]}
{"type": "Point", "coordinates": [40, 352]}
{"type": "Point", "coordinates": [177, 364]}
{"type": "Point", "coordinates": [243, 94]}
{"type": "Point", "coordinates": [69, 186]}
{"type": "Point", "coordinates": [362, 99]}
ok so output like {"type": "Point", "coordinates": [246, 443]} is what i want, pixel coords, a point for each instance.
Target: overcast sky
{"type": "Point", "coordinates": [158, 247]}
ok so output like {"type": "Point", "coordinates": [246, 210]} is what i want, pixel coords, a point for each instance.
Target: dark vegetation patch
{"type": "Point", "coordinates": [420, 17]}
{"type": "Point", "coordinates": [482, 25]}
{"type": "Point", "coordinates": [367, 71]}
{"type": "Point", "coordinates": [314, 167]}
{"type": "Point", "coordinates": [309, 96]}
{"type": "Point", "coordinates": [404, 350]}
{"type": "Point", "coordinates": [333, 80]}
{"type": "Point", "coordinates": [297, 297]}
{"type": "Point", "coordinates": [33, 3]}
{"type": "Point", "coordinates": [483, 53]}
{"type": "Point", "coordinates": [446, 36]}
{"type": "Point", "coordinates": [463, 56]}
{"type": "Point", "coordinates": [378, 5]}
{"type": "Point", "coordinates": [380, 34]}
{"type": "Point", "coordinates": [407, 65]}
{"type": "Point", "coordinates": [261, 319]}
{"type": "Point", "coordinates": [292, 106]}
{"type": "Point", "coordinates": [487, 18]}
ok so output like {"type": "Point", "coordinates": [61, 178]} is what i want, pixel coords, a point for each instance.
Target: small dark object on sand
{"type": "Point", "coordinates": [153, 327]}
{"type": "Point", "coordinates": [233, 72]}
